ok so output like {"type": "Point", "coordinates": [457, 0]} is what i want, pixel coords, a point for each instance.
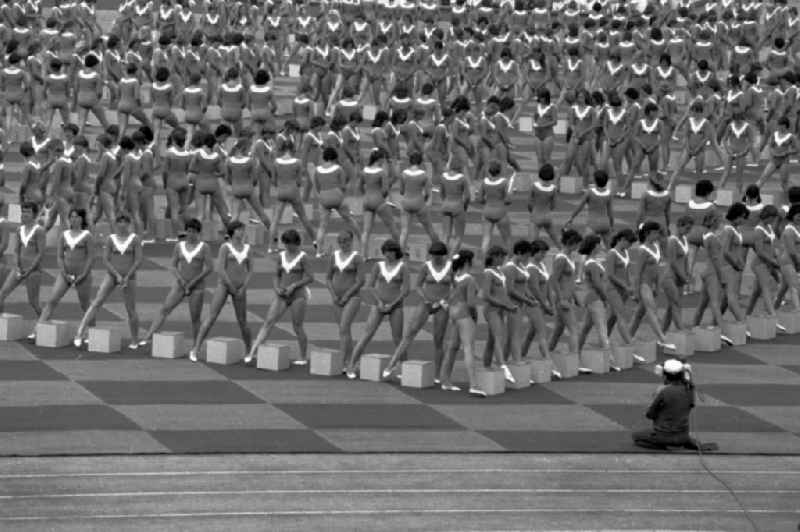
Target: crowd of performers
{"type": "Point", "coordinates": [444, 99]}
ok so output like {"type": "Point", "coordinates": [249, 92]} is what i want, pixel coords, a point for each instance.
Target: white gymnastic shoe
{"type": "Point", "coordinates": [556, 374]}
{"type": "Point", "coordinates": [193, 355]}
{"type": "Point", "coordinates": [726, 339]}
{"type": "Point", "coordinates": [508, 375]}
{"type": "Point", "coordinates": [475, 392]}
{"type": "Point", "coordinates": [665, 345]}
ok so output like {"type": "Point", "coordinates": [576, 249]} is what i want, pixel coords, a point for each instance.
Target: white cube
{"type": "Point", "coordinates": [707, 339]}
{"type": "Point", "coordinates": [326, 362]}
{"type": "Point", "coordinates": [369, 112]}
{"type": "Point", "coordinates": [541, 370]}
{"type": "Point", "coordinates": [566, 364]}
{"type": "Point", "coordinates": [768, 199]}
{"type": "Point", "coordinates": [55, 333]}
{"type": "Point", "coordinates": [417, 374]}
{"type": "Point", "coordinates": [491, 381]}
{"type": "Point", "coordinates": [103, 340]}
{"type": "Point", "coordinates": [274, 357]}
{"type": "Point", "coordinates": [225, 351]}
{"type": "Point", "coordinates": [646, 350]}
{"type": "Point", "coordinates": [683, 193]}
{"type": "Point", "coordinates": [638, 189]}
{"type": "Point", "coordinates": [790, 320]}
{"type": "Point", "coordinates": [736, 331]}
{"type": "Point", "coordinates": [168, 344]}
{"type": "Point", "coordinates": [12, 327]}
{"type": "Point", "coordinates": [762, 327]}
{"type": "Point", "coordinates": [14, 213]}
{"type": "Point", "coordinates": [561, 127]}
{"type": "Point", "coordinates": [371, 367]}
{"type": "Point", "coordinates": [596, 359]}
{"type": "Point", "coordinates": [683, 341]}
{"type": "Point", "coordinates": [570, 184]}
{"type": "Point", "coordinates": [622, 355]}
{"type": "Point", "coordinates": [526, 124]}
{"type": "Point", "coordinates": [294, 70]}
{"type": "Point", "coordinates": [725, 197]}
{"type": "Point", "coordinates": [522, 373]}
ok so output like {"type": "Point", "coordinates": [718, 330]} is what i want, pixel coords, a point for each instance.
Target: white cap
{"type": "Point", "coordinates": [673, 366]}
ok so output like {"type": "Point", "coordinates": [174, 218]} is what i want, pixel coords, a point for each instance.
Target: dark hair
{"type": "Point", "coordinates": [793, 194]}
{"type": "Point", "coordinates": [794, 210]}
{"type": "Point", "coordinates": [522, 247]}
{"type": "Point", "coordinates": [391, 246]}
{"type": "Point", "coordinates": [330, 154]}
{"type": "Point", "coordinates": [261, 77]}
{"type": "Point", "coordinates": [462, 259]}
{"type": "Point", "coordinates": [377, 154]}
{"type": "Point", "coordinates": [601, 178]}
{"type": "Point", "coordinates": [232, 227]}
{"type": "Point", "coordinates": [494, 252]}
{"type": "Point", "coordinates": [126, 143]}
{"type": "Point", "coordinates": [570, 237]}
{"type": "Point", "coordinates": [82, 214]}
{"type": "Point", "coordinates": [648, 227]}
{"type": "Point", "coordinates": [437, 248]}
{"type": "Point", "coordinates": [589, 244]}
{"type": "Point", "coordinates": [162, 74]}
{"type": "Point", "coordinates": [737, 210]}
{"type": "Point", "coordinates": [769, 211]}
{"type": "Point", "coordinates": [26, 149]}
{"type": "Point", "coordinates": [539, 246]}
{"type": "Point", "coordinates": [547, 172]}
{"type": "Point", "coordinates": [415, 158]}
{"type": "Point", "coordinates": [123, 217]}
{"type": "Point", "coordinates": [623, 234]}
{"type": "Point", "coordinates": [193, 223]}
{"type": "Point", "coordinates": [685, 219]}
{"type": "Point", "coordinates": [703, 188]}
{"type": "Point", "coordinates": [290, 237]}
{"type": "Point", "coordinates": [752, 192]}
{"type": "Point", "coordinates": [29, 206]}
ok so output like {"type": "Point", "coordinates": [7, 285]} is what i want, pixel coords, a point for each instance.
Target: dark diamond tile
{"type": "Point", "coordinates": [170, 392]}
{"type": "Point", "coordinates": [63, 417]}
{"type": "Point", "coordinates": [34, 370]}
{"type": "Point", "coordinates": [567, 442]}
{"type": "Point", "coordinates": [330, 416]}
{"type": "Point", "coordinates": [244, 441]}
{"type": "Point", "coordinates": [704, 418]}
{"type": "Point", "coordinates": [755, 394]}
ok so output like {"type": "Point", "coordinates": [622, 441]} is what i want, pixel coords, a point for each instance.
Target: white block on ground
{"type": "Point", "coordinates": [55, 333]}
{"type": "Point", "coordinates": [224, 351]}
{"type": "Point", "coordinates": [13, 327]}
{"type": "Point", "coordinates": [326, 362]}
{"type": "Point", "coordinates": [169, 344]}
{"type": "Point", "coordinates": [417, 374]}
{"type": "Point", "coordinates": [273, 357]}
{"type": "Point", "coordinates": [371, 366]}
{"type": "Point", "coordinates": [104, 340]}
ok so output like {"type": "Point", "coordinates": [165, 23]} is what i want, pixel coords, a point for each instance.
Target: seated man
{"type": "Point", "coordinates": [670, 411]}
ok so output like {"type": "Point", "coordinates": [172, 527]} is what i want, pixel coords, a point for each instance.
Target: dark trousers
{"type": "Point", "coordinates": [653, 439]}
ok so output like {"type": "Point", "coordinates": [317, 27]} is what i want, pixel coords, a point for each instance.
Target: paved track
{"type": "Point", "coordinates": [405, 492]}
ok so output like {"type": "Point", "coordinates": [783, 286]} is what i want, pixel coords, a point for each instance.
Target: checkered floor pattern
{"type": "Point", "coordinates": [65, 401]}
